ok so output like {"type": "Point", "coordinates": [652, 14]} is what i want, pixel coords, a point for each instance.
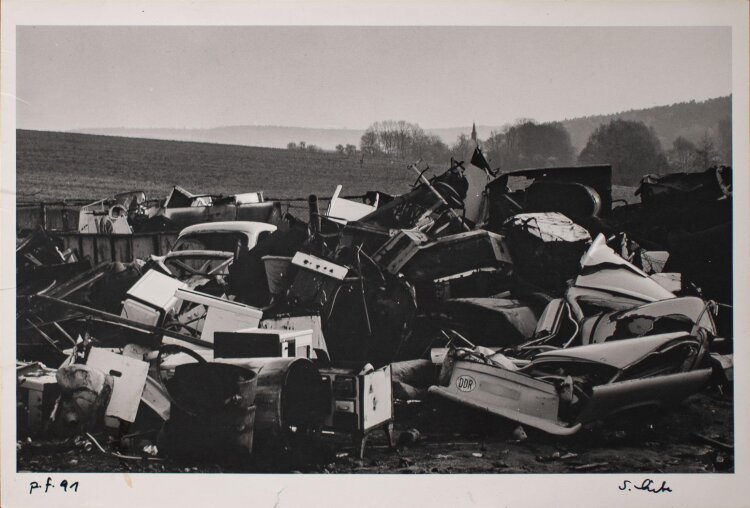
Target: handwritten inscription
{"type": "Point", "coordinates": [646, 485]}
{"type": "Point", "coordinates": [50, 486]}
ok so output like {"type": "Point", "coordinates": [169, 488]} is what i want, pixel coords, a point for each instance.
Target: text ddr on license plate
{"type": "Point", "coordinates": [465, 383]}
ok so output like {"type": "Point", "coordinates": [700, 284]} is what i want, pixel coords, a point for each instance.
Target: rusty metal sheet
{"type": "Point", "coordinates": [459, 253]}
{"type": "Point", "coordinates": [103, 248]}
{"type": "Point", "coordinates": [88, 247]}
{"type": "Point", "coordinates": [122, 248]}
{"type": "Point", "coordinates": [165, 243]}
{"type": "Point", "coordinates": [143, 246]}
{"type": "Point", "coordinates": [491, 321]}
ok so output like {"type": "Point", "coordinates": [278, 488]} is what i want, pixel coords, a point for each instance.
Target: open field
{"type": "Point", "coordinates": [53, 166]}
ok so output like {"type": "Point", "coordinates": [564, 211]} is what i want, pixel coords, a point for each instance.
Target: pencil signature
{"type": "Point", "coordinates": [647, 485]}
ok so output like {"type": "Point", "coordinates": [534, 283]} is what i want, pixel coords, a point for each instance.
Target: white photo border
{"type": "Point", "coordinates": [332, 491]}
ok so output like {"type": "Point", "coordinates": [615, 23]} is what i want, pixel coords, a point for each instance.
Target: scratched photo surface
{"type": "Point", "coordinates": [383, 249]}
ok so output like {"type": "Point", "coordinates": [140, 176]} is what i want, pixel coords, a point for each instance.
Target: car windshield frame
{"type": "Point", "coordinates": [223, 260]}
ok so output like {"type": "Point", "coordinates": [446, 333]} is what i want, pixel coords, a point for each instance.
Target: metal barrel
{"type": "Point", "coordinates": [289, 397]}
{"type": "Point", "coordinates": [277, 273]}
{"type": "Point", "coordinates": [213, 411]}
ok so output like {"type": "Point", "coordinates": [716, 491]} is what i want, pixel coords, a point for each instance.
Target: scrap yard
{"type": "Point", "coordinates": [525, 321]}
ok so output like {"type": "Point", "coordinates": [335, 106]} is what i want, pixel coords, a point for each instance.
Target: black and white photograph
{"type": "Point", "coordinates": [253, 249]}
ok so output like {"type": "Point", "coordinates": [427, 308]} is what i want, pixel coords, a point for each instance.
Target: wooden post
{"type": "Point", "coordinates": [43, 218]}
{"type": "Point", "coordinates": [64, 214]}
{"type": "Point", "coordinates": [315, 223]}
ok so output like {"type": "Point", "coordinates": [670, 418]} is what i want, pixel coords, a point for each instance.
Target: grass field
{"type": "Point", "coordinates": [54, 166]}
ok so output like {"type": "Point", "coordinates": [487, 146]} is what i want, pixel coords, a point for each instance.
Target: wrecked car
{"type": "Point", "coordinates": [616, 341]}
{"type": "Point", "coordinates": [559, 390]}
{"type": "Point", "coordinates": [203, 252]}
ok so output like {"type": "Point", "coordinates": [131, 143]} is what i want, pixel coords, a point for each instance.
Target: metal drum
{"type": "Point", "coordinates": [277, 273]}
{"type": "Point", "coordinates": [212, 411]}
{"type": "Point", "coordinates": [289, 399]}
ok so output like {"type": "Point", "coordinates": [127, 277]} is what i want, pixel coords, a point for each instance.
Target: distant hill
{"type": "Point", "coordinates": [691, 120]}
{"type": "Point", "coordinates": [269, 136]}
{"type": "Point", "coordinates": [688, 119]}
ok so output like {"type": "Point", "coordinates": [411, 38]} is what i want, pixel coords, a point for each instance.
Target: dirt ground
{"type": "Point", "coordinates": [452, 439]}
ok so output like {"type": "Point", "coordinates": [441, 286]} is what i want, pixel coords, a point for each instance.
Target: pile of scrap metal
{"type": "Point", "coordinates": [462, 288]}
{"type": "Point", "coordinates": [203, 373]}
{"type": "Point", "coordinates": [183, 208]}
{"type": "Point", "coordinates": [689, 216]}
{"type": "Point", "coordinates": [615, 341]}
{"type": "Point", "coordinates": [42, 262]}
{"type": "Point", "coordinates": [117, 214]}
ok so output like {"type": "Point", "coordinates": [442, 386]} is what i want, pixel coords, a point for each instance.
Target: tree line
{"type": "Point", "coordinates": [631, 147]}
{"type": "Point", "coordinates": [689, 120]}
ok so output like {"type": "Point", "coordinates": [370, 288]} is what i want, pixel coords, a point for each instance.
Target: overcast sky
{"type": "Point", "coordinates": [199, 77]}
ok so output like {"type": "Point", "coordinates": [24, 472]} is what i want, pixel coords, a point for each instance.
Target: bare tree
{"type": "Point", "coordinates": [401, 139]}
{"type": "Point", "coordinates": [461, 148]}
{"type": "Point", "coordinates": [682, 156]}
{"type": "Point", "coordinates": [369, 142]}
{"type": "Point", "coordinates": [706, 154]}
{"type": "Point", "coordinates": [724, 140]}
